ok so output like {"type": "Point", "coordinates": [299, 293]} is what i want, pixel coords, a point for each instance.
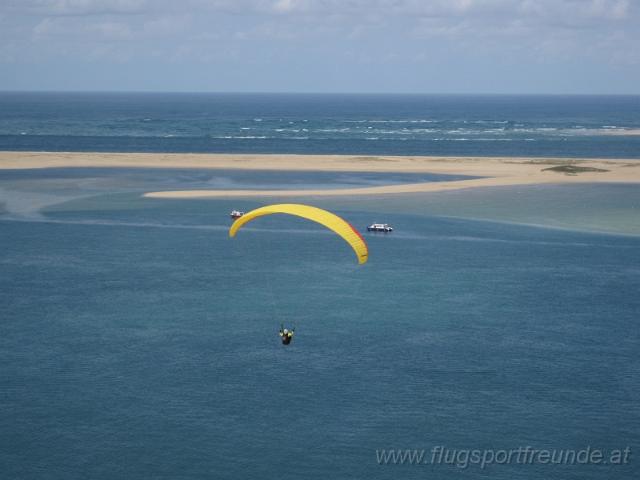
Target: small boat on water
{"type": "Point", "coordinates": [236, 214]}
{"type": "Point", "coordinates": [379, 227]}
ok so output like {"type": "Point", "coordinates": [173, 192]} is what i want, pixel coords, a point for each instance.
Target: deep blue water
{"type": "Point", "coordinates": [138, 341]}
{"type": "Point", "coordinates": [486, 125]}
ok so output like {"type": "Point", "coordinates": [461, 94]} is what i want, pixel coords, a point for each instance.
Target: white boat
{"type": "Point", "coordinates": [380, 227]}
{"type": "Point", "coordinates": [236, 214]}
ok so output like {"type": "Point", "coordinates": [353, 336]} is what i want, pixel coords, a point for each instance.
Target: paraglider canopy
{"type": "Point", "coordinates": [318, 215]}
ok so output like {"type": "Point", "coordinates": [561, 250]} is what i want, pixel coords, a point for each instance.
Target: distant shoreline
{"type": "Point", "coordinates": [495, 171]}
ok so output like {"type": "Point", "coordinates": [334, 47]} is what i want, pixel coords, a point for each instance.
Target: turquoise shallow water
{"type": "Point", "coordinates": [139, 341]}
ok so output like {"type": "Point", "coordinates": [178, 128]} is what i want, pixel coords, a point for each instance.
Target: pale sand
{"type": "Point", "coordinates": [625, 132]}
{"type": "Point", "coordinates": [499, 171]}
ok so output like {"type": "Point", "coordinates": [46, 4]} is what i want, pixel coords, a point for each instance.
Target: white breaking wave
{"type": "Point", "coordinates": [241, 137]}
{"type": "Point", "coordinates": [393, 121]}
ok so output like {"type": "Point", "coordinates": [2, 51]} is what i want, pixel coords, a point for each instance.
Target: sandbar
{"type": "Point", "coordinates": [495, 171]}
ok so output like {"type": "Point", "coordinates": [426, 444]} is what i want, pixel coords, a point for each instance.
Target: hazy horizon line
{"type": "Point", "coordinates": [257, 92]}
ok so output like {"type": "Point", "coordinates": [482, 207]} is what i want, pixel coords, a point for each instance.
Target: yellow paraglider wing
{"type": "Point", "coordinates": [328, 219]}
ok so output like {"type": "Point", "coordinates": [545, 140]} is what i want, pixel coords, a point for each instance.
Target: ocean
{"type": "Point", "coordinates": [137, 340]}
{"type": "Point", "coordinates": [476, 125]}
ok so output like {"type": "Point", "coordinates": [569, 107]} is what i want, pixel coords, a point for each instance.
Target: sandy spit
{"type": "Point", "coordinates": [496, 171]}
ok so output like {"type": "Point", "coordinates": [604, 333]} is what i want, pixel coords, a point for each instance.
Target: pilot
{"type": "Point", "coordinates": [286, 335]}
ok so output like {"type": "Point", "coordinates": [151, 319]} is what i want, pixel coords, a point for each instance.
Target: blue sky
{"type": "Point", "coordinates": [403, 46]}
